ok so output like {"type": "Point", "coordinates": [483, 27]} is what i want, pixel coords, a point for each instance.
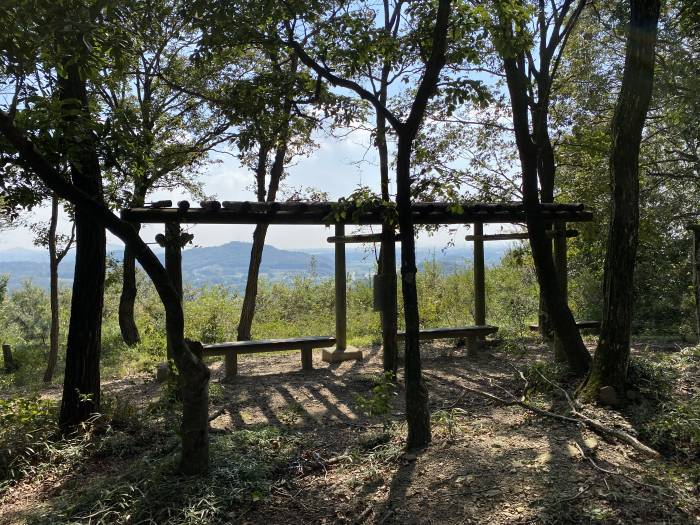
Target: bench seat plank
{"type": "Point", "coordinates": [583, 325]}
{"type": "Point", "coordinates": [446, 333]}
{"type": "Point", "coordinates": [268, 345]}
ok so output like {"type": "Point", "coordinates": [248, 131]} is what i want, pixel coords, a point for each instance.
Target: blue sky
{"type": "Point", "coordinates": [338, 166]}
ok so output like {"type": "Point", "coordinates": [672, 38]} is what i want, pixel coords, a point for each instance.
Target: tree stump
{"type": "Point", "coordinates": [10, 365]}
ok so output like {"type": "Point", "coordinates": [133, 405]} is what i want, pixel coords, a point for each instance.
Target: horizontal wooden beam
{"type": "Point", "coordinates": [358, 239]}
{"type": "Point", "coordinates": [324, 213]}
{"type": "Point", "coordinates": [268, 345]}
{"type": "Point", "coordinates": [452, 332]}
{"type": "Point", "coordinates": [516, 236]}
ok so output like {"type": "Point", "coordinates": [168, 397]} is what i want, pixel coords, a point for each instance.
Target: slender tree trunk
{"type": "Point", "coordinates": [387, 253]}
{"type": "Point", "coordinates": [612, 355]}
{"type": "Point", "coordinates": [195, 374]}
{"type": "Point", "coordinates": [53, 294]}
{"type": "Point", "coordinates": [81, 386]}
{"type": "Point", "coordinates": [127, 299]}
{"type": "Point", "coordinates": [562, 319]}
{"type": "Point", "coordinates": [245, 323]}
{"type": "Point", "coordinates": [251, 288]}
{"type": "Point", "coordinates": [417, 411]}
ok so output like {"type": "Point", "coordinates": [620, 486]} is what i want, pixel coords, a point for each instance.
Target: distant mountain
{"type": "Point", "coordinates": [227, 264]}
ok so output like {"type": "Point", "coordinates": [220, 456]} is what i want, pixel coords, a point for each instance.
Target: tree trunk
{"type": "Point", "coordinates": [53, 293]}
{"type": "Point", "coordinates": [387, 253]}
{"type": "Point", "coordinates": [81, 386]}
{"type": "Point", "coordinates": [562, 320]}
{"type": "Point", "coordinates": [195, 424]}
{"type": "Point", "coordinates": [417, 411]}
{"type": "Point", "coordinates": [245, 323]}
{"type": "Point", "coordinates": [127, 299]}
{"type": "Point", "coordinates": [612, 355]}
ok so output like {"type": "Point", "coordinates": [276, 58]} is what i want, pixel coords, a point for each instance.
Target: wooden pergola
{"type": "Point", "coordinates": [340, 214]}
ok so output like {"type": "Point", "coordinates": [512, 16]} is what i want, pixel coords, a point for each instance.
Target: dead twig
{"type": "Point", "coordinates": [659, 489]}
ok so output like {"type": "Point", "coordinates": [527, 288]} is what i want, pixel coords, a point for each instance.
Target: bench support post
{"type": "Point", "coordinates": [307, 358]}
{"type": "Point", "coordinates": [473, 344]}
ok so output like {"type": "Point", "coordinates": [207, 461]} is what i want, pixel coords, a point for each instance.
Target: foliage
{"type": "Point", "coordinates": [29, 311]}
{"type": "Point", "coordinates": [378, 402]}
{"type": "Point", "coordinates": [27, 427]}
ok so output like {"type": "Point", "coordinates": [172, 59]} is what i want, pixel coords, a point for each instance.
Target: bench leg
{"type": "Point", "coordinates": [473, 345]}
{"type": "Point", "coordinates": [230, 365]}
{"type": "Point", "coordinates": [307, 356]}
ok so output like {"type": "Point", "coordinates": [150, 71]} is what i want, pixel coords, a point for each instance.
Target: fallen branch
{"type": "Point", "coordinates": [579, 419]}
{"type": "Point", "coordinates": [595, 425]}
{"type": "Point", "coordinates": [661, 490]}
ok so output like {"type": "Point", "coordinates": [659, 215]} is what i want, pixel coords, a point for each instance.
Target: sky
{"type": "Point", "coordinates": [337, 166]}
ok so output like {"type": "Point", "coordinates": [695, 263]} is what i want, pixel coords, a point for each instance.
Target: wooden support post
{"type": "Point", "coordinates": [9, 363]}
{"type": "Point", "coordinates": [341, 322]}
{"type": "Point", "coordinates": [479, 277]}
{"type": "Point", "coordinates": [560, 248]}
{"type": "Point", "coordinates": [173, 261]}
{"type": "Point", "coordinates": [473, 343]}
{"type": "Point", "coordinates": [307, 358]}
{"type": "Point", "coordinates": [696, 274]}
{"type": "Point", "coordinates": [561, 265]}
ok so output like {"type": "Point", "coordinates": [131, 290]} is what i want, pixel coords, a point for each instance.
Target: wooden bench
{"type": "Point", "coordinates": [305, 344]}
{"type": "Point", "coordinates": [582, 325]}
{"type": "Point", "coordinates": [471, 333]}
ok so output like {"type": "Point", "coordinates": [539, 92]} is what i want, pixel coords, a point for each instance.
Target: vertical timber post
{"type": "Point", "coordinates": [341, 322]}
{"type": "Point", "coordinates": [479, 285]}
{"type": "Point", "coordinates": [696, 273]}
{"type": "Point", "coordinates": [173, 261]}
{"type": "Point", "coordinates": [560, 248]}
{"type": "Point", "coordinates": [479, 275]}
{"type": "Point", "coordinates": [561, 265]}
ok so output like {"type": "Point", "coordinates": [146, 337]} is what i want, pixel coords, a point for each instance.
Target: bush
{"type": "Point", "coordinates": [27, 427]}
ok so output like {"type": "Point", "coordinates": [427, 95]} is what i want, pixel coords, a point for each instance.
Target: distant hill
{"type": "Point", "coordinates": [227, 264]}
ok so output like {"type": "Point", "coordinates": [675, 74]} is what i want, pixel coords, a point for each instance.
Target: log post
{"type": "Point", "coordinates": [474, 343]}
{"type": "Point", "coordinates": [479, 276]}
{"type": "Point", "coordinates": [340, 292]}
{"type": "Point", "coordinates": [173, 261]}
{"type": "Point", "coordinates": [560, 248]}
{"type": "Point", "coordinates": [561, 265]}
{"type": "Point", "coordinates": [10, 365]}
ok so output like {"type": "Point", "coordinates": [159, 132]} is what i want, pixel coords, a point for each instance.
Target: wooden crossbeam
{"type": "Point", "coordinates": [516, 236]}
{"type": "Point", "coordinates": [324, 213]}
{"type": "Point", "coordinates": [358, 239]}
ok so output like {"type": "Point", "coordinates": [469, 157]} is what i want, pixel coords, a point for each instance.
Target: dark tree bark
{"type": "Point", "coordinates": [561, 317]}
{"type": "Point", "coordinates": [127, 299]}
{"type": "Point", "coordinates": [612, 354]}
{"type": "Point", "coordinates": [53, 294]}
{"type": "Point", "coordinates": [194, 373]}
{"type": "Point", "coordinates": [417, 409]}
{"type": "Point", "coordinates": [245, 323]}
{"type": "Point", "coordinates": [387, 253]}
{"type": "Point", "coordinates": [81, 386]}
{"type": "Point", "coordinates": [256, 251]}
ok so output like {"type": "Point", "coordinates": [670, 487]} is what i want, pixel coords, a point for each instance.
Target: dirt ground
{"type": "Point", "coordinates": [488, 463]}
